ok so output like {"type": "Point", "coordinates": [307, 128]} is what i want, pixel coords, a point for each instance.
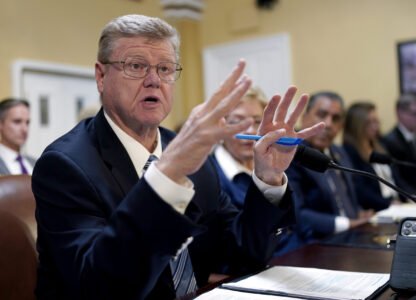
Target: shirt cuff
{"type": "Point", "coordinates": [272, 193]}
{"type": "Point", "coordinates": [341, 224]}
{"type": "Point", "coordinates": [173, 193]}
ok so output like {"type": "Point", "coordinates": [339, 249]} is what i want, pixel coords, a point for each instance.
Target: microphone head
{"type": "Point", "coordinates": [311, 158]}
{"type": "Point", "coordinates": [380, 158]}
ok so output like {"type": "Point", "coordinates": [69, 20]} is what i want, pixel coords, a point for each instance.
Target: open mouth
{"type": "Point", "coordinates": [150, 100]}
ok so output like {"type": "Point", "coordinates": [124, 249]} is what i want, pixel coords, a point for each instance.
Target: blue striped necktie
{"type": "Point", "coordinates": [180, 266]}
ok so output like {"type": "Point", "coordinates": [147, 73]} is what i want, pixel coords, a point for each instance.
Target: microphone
{"type": "Point", "coordinates": [317, 161]}
{"type": "Point", "coordinates": [381, 158]}
{"type": "Point", "coordinates": [311, 158]}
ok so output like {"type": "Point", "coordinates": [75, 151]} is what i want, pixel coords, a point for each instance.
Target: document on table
{"type": "Point", "coordinates": [310, 283]}
{"type": "Point", "coordinates": [220, 293]}
{"type": "Point", "coordinates": [394, 213]}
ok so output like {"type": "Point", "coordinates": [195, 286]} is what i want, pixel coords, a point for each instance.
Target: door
{"type": "Point", "coordinates": [268, 63]}
{"type": "Point", "coordinates": [56, 99]}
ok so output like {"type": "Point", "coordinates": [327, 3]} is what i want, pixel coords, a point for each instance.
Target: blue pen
{"type": "Point", "coordinates": [288, 141]}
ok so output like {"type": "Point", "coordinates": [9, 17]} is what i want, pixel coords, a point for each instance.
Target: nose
{"type": "Point", "coordinates": [152, 79]}
{"type": "Point", "coordinates": [252, 129]}
{"type": "Point", "coordinates": [25, 128]}
{"type": "Point", "coordinates": [328, 122]}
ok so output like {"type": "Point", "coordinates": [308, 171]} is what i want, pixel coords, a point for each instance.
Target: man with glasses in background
{"type": "Point", "coordinates": [112, 224]}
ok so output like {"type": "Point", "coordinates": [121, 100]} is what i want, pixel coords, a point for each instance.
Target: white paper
{"type": "Point", "coordinates": [320, 283]}
{"type": "Point", "coordinates": [394, 213]}
{"type": "Point", "coordinates": [219, 294]}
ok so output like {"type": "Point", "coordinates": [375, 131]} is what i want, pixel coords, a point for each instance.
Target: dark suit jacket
{"type": "Point", "coordinates": [315, 203]}
{"type": "Point", "coordinates": [103, 233]}
{"type": "Point", "coordinates": [290, 238]}
{"type": "Point", "coordinates": [400, 149]}
{"type": "Point", "coordinates": [368, 189]}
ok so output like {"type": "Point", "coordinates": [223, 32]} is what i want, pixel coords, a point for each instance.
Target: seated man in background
{"type": "Point", "coordinates": [234, 159]}
{"type": "Point", "coordinates": [112, 224]}
{"type": "Point", "coordinates": [325, 202]}
{"type": "Point", "coordinates": [14, 129]}
{"type": "Point", "coordinates": [400, 142]}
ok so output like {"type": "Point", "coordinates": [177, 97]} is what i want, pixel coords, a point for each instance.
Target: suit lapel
{"type": "Point", "coordinates": [114, 154]}
{"type": "Point", "coordinates": [408, 147]}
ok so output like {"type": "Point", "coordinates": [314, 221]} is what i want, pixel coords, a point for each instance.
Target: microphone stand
{"type": "Point", "coordinates": [333, 165]}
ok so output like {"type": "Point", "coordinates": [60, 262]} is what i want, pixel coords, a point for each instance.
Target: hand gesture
{"type": "Point", "coordinates": [204, 128]}
{"type": "Point", "coordinates": [271, 159]}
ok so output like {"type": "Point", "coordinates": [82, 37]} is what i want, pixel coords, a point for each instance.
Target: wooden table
{"type": "Point", "coordinates": [362, 257]}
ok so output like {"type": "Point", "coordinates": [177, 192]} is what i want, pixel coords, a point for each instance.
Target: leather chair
{"type": "Point", "coordinates": [18, 256]}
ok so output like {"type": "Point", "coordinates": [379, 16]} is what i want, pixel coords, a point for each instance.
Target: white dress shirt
{"type": "Point", "coordinates": [173, 193]}
{"type": "Point", "coordinates": [9, 157]}
{"type": "Point", "coordinates": [408, 135]}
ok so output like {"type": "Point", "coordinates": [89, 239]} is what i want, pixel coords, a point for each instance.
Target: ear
{"type": "Point", "coordinates": [99, 75]}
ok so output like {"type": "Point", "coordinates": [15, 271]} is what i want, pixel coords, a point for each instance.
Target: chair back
{"type": "Point", "coordinates": [18, 256]}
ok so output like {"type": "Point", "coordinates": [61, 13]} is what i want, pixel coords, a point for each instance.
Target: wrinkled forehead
{"type": "Point", "coordinates": [143, 47]}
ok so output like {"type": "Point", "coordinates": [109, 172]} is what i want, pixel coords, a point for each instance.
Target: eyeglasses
{"type": "Point", "coordinates": [236, 120]}
{"type": "Point", "coordinates": [139, 68]}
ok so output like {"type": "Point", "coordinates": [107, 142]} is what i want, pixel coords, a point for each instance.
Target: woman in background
{"type": "Point", "coordinates": [234, 160]}
{"type": "Point", "coordinates": [361, 138]}
{"type": "Point", "coordinates": [235, 157]}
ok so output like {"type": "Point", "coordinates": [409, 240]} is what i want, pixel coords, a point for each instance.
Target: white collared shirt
{"type": "Point", "coordinates": [408, 136]}
{"type": "Point", "coordinates": [230, 166]}
{"type": "Point", "coordinates": [175, 194]}
{"type": "Point", "coordinates": [9, 157]}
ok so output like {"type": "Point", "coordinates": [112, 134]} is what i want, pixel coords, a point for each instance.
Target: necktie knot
{"type": "Point", "coordinates": [151, 158]}
{"type": "Point", "coordinates": [19, 158]}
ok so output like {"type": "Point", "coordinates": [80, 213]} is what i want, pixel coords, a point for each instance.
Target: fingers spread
{"type": "Point", "coordinates": [227, 85]}
{"type": "Point", "coordinates": [307, 132]}
{"type": "Point", "coordinates": [233, 129]}
{"type": "Point", "coordinates": [284, 104]}
{"type": "Point", "coordinates": [269, 111]}
{"type": "Point", "coordinates": [269, 139]}
{"type": "Point", "coordinates": [298, 110]}
{"type": "Point", "coordinates": [230, 101]}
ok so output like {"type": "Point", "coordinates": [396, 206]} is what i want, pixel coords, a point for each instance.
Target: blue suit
{"type": "Point", "coordinates": [316, 206]}
{"type": "Point", "coordinates": [237, 188]}
{"type": "Point", "coordinates": [103, 233]}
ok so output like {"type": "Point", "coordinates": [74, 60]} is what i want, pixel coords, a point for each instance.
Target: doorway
{"type": "Point", "coordinates": [56, 93]}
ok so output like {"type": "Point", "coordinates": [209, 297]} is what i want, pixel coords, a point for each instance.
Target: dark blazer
{"type": "Point", "coordinates": [290, 238]}
{"type": "Point", "coordinates": [400, 149]}
{"type": "Point", "coordinates": [367, 189]}
{"type": "Point", "coordinates": [103, 233]}
{"type": "Point", "coordinates": [316, 206]}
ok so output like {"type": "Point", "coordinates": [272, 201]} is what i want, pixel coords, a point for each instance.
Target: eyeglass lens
{"type": "Point", "coordinates": [139, 68]}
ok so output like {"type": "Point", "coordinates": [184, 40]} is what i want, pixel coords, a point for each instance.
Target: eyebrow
{"type": "Point", "coordinates": [141, 57]}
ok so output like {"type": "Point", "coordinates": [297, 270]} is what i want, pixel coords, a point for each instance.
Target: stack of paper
{"type": "Point", "coordinates": [304, 283]}
{"type": "Point", "coordinates": [394, 213]}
